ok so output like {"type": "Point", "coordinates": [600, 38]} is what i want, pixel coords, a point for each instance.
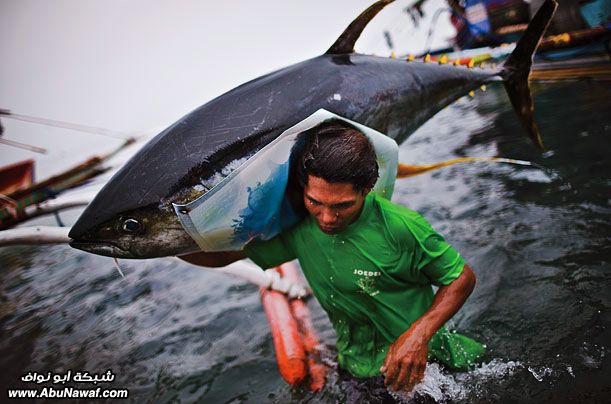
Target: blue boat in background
{"type": "Point", "coordinates": [577, 45]}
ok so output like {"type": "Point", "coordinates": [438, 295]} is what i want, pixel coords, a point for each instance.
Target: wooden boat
{"type": "Point", "coordinates": [13, 204]}
{"type": "Point", "coordinates": [481, 23]}
{"type": "Point", "coordinates": [16, 176]}
{"type": "Point", "coordinates": [566, 56]}
{"type": "Point", "coordinates": [587, 67]}
{"type": "Point", "coordinates": [577, 45]}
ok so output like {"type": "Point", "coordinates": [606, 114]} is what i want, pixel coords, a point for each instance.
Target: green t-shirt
{"type": "Point", "coordinates": [374, 280]}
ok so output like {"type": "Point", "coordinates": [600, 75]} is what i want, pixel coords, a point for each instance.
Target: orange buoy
{"type": "Point", "coordinates": [288, 345]}
{"type": "Point", "coordinates": [310, 339]}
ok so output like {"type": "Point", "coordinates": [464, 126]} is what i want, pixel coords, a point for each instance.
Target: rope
{"type": "Point", "coordinates": [406, 170]}
{"type": "Point", "coordinates": [429, 36]}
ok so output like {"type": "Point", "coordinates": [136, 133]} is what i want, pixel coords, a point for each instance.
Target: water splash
{"type": "Point", "coordinates": [592, 355]}
{"type": "Point", "coordinates": [540, 373]}
{"type": "Point", "coordinates": [443, 386]}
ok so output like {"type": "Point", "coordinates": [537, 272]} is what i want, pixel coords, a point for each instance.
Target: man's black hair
{"type": "Point", "coordinates": [334, 151]}
{"type": "Point", "coordinates": [337, 152]}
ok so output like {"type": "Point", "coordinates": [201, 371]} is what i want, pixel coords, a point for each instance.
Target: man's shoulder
{"type": "Point", "coordinates": [402, 223]}
{"type": "Point", "coordinates": [301, 227]}
{"type": "Point", "coordinates": [394, 210]}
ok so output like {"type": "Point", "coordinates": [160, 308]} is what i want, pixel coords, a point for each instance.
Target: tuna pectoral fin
{"type": "Point", "coordinates": [516, 69]}
{"type": "Point", "coordinates": [406, 170]}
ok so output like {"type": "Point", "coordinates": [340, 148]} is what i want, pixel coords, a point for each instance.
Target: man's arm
{"type": "Point", "coordinates": [266, 254]}
{"type": "Point", "coordinates": [213, 259]}
{"type": "Point", "coordinates": [405, 361]}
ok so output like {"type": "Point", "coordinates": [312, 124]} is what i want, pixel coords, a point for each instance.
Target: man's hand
{"type": "Point", "coordinates": [405, 361]}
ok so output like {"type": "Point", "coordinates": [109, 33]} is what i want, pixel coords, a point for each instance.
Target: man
{"type": "Point", "coordinates": [370, 263]}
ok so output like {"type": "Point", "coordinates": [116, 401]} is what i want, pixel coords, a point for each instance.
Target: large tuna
{"type": "Point", "coordinates": [133, 217]}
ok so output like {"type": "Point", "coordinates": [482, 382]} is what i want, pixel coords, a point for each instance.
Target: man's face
{"type": "Point", "coordinates": [333, 205]}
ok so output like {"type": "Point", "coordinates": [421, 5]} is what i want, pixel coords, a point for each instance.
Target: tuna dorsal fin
{"type": "Point", "coordinates": [345, 42]}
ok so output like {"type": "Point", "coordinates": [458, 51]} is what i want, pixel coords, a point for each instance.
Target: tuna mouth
{"type": "Point", "coordinates": [104, 248]}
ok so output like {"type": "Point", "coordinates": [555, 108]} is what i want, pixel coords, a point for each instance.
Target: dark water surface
{"type": "Point", "coordinates": [537, 239]}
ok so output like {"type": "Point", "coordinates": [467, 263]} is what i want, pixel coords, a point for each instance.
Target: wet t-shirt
{"type": "Point", "coordinates": [374, 279]}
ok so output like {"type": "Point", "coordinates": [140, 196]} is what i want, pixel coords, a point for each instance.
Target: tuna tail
{"type": "Point", "coordinates": [516, 69]}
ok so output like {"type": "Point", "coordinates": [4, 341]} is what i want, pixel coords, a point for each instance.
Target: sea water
{"type": "Point", "coordinates": [538, 241]}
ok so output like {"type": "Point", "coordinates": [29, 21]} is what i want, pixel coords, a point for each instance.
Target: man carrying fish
{"type": "Point", "coordinates": [370, 263]}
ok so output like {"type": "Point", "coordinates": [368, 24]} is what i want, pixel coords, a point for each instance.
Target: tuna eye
{"type": "Point", "coordinates": [132, 226]}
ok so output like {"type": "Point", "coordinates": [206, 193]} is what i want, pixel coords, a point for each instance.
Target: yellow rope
{"type": "Point", "coordinates": [406, 170]}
